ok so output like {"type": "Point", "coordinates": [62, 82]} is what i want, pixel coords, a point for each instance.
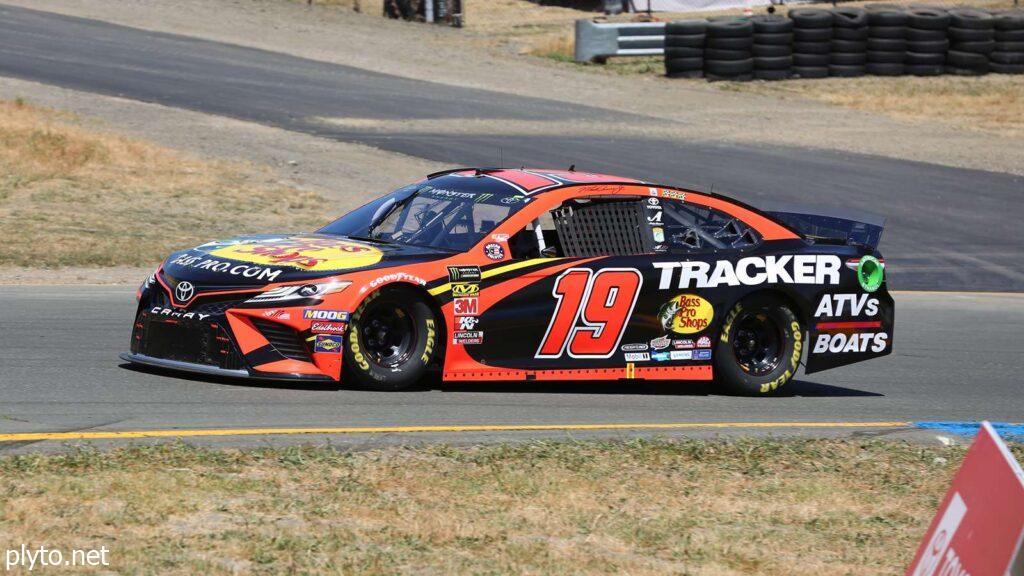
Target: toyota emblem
{"type": "Point", "coordinates": [183, 291]}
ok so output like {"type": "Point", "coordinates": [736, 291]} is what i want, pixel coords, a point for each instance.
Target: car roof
{"type": "Point", "coordinates": [522, 181]}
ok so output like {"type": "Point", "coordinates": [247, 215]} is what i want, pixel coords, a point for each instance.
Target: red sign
{"type": "Point", "coordinates": [980, 523]}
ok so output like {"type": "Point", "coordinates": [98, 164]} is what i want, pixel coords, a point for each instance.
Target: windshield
{"type": "Point", "coordinates": [422, 215]}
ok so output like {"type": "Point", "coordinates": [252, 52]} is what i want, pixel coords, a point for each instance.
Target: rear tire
{"type": "Point", "coordinates": [760, 346]}
{"type": "Point", "coordinates": [392, 338]}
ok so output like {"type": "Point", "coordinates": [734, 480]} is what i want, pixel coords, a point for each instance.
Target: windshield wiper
{"type": "Point", "coordinates": [371, 239]}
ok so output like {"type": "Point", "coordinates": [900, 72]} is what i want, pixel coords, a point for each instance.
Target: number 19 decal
{"type": "Point", "coordinates": [592, 312]}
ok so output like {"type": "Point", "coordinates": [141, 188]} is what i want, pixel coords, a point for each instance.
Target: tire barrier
{"type": "Point", "coordinates": [684, 48]}
{"type": "Point", "coordinates": [812, 42]}
{"type": "Point", "coordinates": [971, 34]}
{"type": "Point", "coordinates": [849, 56]}
{"type": "Point", "coordinates": [1008, 34]}
{"type": "Point", "coordinates": [772, 49]}
{"type": "Point", "coordinates": [728, 49]}
{"type": "Point", "coordinates": [878, 39]}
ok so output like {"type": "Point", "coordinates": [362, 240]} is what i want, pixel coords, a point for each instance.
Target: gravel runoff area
{"type": "Point", "coordinates": [455, 57]}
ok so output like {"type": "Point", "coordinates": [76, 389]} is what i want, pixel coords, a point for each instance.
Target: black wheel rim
{"type": "Point", "coordinates": [389, 334]}
{"type": "Point", "coordinates": [757, 343]}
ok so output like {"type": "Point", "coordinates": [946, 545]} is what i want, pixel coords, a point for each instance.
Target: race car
{"type": "Point", "coordinates": [514, 275]}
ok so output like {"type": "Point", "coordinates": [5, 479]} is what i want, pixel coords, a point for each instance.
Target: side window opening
{"type": "Point", "coordinates": [629, 226]}
{"type": "Point", "coordinates": [692, 227]}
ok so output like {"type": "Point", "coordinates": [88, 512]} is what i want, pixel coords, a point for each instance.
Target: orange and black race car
{"type": "Point", "coordinates": [499, 274]}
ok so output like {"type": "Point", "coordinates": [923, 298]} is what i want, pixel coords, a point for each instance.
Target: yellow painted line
{"type": "Point", "coordinates": [113, 434]}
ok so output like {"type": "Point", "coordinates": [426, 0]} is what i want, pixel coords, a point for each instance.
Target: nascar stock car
{"type": "Point", "coordinates": [500, 274]}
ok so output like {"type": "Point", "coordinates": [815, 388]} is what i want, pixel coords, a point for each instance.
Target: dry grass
{"type": "Point", "coordinates": [993, 103]}
{"type": "Point", "coordinates": [71, 195]}
{"type": "Point", "coordinates": [644, 507]}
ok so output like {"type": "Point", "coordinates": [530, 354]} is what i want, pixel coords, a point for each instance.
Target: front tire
{"type": "Point", "coordinates": [759, 348]}
{"type": "Point", "coordinates": [392, 339]}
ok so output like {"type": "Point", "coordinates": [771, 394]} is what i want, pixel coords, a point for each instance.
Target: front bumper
{"type": "Point", "coordinates": [216, 371]}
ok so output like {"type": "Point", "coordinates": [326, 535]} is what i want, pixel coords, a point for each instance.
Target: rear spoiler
{"type": "Point", "coordinates": [831, 225]}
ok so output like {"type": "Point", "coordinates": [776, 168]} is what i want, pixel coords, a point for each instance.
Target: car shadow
{"type": "Point", "coordinates": [799, 388]}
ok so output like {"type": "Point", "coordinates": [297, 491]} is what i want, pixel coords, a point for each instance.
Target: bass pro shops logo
{"type": "Point", "coordinates": [184, 291]}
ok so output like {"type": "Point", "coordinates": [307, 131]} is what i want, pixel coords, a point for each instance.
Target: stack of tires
{"type": "Point", "coordinates": [887, 37]}
{"type": "Point", "coordinates": [971, 40]}
{"type": "Point", "coordinates": [773, 47]}
{"type": "Point", "coordinates": [849, 42]}
{"type": "Point", "coordinates": [727, 50]}
{"type": "Point", "coordinates": [927, 41]}
{"type": "Point", "coordinates": [812, 37]}
{"type": "Point", "coordinates": [684, 48]}
{"type": "Point", "coordinates": [1008, 57]}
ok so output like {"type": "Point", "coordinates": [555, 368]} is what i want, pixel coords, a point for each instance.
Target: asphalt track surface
{"type": "Point", "coordinates": [948, 228]}
{"type": "Point", "coordinates": [956, 356]}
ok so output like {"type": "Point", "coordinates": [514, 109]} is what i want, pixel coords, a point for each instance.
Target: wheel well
{"type": "Point", "coordinates": [442, 326]}
{"type": "Point", "coordinates": [800, 311]}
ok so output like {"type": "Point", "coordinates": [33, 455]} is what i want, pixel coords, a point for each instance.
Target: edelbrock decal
{"type": "Point", "coordinates": [751, 271]}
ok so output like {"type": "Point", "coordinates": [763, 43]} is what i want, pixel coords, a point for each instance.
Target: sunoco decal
{"type": "Point", "coordinates": [328, 343]}
{"type": "Point", "coordinates": [686, 314]}
{"type": "Point", "coordinates": [303, 253]}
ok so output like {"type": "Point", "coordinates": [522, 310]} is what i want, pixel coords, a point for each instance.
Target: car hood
{"type": "Point", "coordinates": [253, 261]}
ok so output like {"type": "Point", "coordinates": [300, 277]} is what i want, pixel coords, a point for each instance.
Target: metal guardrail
{"type": "Point", "coordinates": [597, 41]}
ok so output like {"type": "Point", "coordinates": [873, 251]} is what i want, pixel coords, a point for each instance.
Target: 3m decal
{"type": "Point", "coordinates": [327, 343]}
{"type": "Point", "coordinates": [637, 356]}
{"type": "Point", "coordinates": [465, 289]}
{"type": "Point", "coordinates": [466, 306]}
{"type": "Point", "coordinates": [843, 343]}
{"type": "Point", "coordinates": [750, 271]}
{"type": "Point", "coordinates": [847, 305]}
{"type": "Point", "coordinates": [494, 251]}
{"type": "Point", "coordinates": [304, 253]}
{"type": "Point", "coordinates": [316, 314]}
{"type": "Point", "coordinates": [591, 312]}
{"type": "Point", "coordinates": [464, 274]}
{"type": "Point", "coordinates": [686, 314]}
